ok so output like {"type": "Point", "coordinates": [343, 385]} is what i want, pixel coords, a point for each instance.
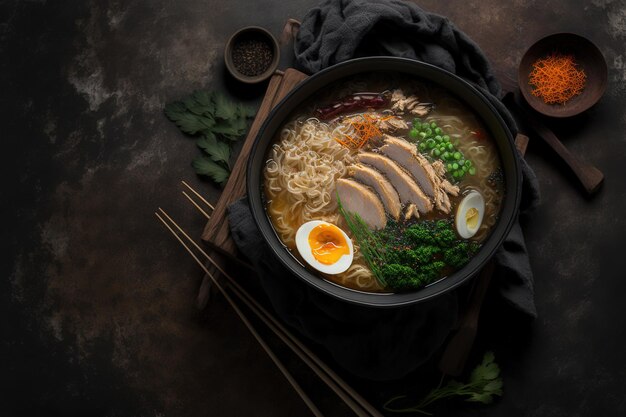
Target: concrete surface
{"type": "Point", "coordinates": [97, 302]}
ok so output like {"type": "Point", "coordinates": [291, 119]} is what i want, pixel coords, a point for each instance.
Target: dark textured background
{"type": "Point", "coordinates": [97, 303]}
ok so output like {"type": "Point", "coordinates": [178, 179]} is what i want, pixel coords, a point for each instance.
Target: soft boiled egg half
{"type": "Point", "coordinates": [469, 214]}
{"type": "Point", "coordinates": [325, 247]}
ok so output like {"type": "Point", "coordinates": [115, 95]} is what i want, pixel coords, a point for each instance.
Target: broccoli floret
{"type": "Point", "coordinates": [420, 234]}
{"type": "Point", "coordinates": [458, 255]}
{"type": "Point", "coordinates": [401, 278]}
{"type": "Point", "coordinates": [429, 273]}
{"type": "Point", "coordinates": [424, 254]}
{"type": "Point", "coordinates": [408, 256]}
{"type": "Point", "coordinates": [440, 233]}
{"type": "Point", "coordinates": [445, 238]}
{"type": "Point", "coordinates": [418, 256]}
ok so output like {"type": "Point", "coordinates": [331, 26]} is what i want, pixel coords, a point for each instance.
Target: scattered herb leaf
{"type": "Point", "coordinates": [205, 166]}
{"type": "Point", "coordinates": [484, 384]}
{"type": "Point", "coordinates": [218, 121]}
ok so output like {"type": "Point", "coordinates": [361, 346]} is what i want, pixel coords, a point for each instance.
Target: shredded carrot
{"type": "Point", "coordinates": [557, 78]}
{"type": "Point", "coordinates": [365, 127]}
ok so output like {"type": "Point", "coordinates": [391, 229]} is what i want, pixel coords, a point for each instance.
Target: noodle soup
{"type": "Point", "coordinates": [383, 185]}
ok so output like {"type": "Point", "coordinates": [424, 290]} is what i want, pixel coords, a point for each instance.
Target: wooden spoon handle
{"type": "Point", "coordinates": [589, 176]}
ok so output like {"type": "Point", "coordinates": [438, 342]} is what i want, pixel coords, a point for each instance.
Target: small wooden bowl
{"type": "Point", "coordinates": [587, 56]}
{"type": "Point", "coordinates": [254, 33]}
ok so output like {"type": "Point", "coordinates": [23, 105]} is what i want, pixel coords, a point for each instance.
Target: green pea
{"type": "Point", "coordinates": [472, 170]}
{"type": "Point", "coordinates": [446, 138]}
{"type": "Point", "coordinates": [445, 155]}
{"type": "Point", "coordinates": [422, 146]}
{"type": "Point", "coordinates": [438, 138]}
{"type": "Point", "coordinates": [455, 166]}
{"type": "Point", "coordinates": [450, 147]}
{"type": "Point", "coordinates": [438, 130]}
{"type": "Point", "coordinates": [437, 152]}
{"type": "Point", "coordinates": [468, 163]}
{"type": "Point", "coordinates": [449, 167]}
{"type": "Point", "coordinates": [422, 135]}
{"type": "Point", "coordinates": [464, 168]}
{"type": "Point", "coordinates": [457, 155]}
{"type": "Point", "coordinates": [414, 133]}
{"type": "Point", "coordinates": [433, 125]}
{"type": "Point", "coordinates": [428, 131]}
{"type": "Point", "coordinates": [462, 162]}
{"type": "Point", "coordinates": [430, 143]}
{"type": "Point", "coordinates": [455, 174]}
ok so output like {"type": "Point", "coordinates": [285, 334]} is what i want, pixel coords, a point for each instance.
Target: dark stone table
{"type": "Point", "coordinates": [97, 302]}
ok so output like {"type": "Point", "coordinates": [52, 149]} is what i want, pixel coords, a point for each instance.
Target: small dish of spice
{"type": "Point", "coordinates": [562, 75]}
{"type": "Point", "coordinates": [252, 54]}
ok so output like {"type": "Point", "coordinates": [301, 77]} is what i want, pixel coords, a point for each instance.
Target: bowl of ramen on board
{"type": "Point", "coordinates": [384, 181]}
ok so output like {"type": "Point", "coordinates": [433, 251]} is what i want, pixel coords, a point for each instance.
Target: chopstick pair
{"type": "Point", "coordinates": [350, 397]}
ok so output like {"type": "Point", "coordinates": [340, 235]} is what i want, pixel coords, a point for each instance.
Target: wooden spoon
{"type": "Point", "coordinates": [589, 176]}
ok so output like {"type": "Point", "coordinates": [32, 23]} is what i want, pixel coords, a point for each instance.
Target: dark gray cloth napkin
{"type": "Point", "coordinates": [385, 343]}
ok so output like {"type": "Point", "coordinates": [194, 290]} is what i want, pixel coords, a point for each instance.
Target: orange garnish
{"type": "Point", "coordinates": [556, 78]}
{"type": "Point", "coordinates": [366, 129]}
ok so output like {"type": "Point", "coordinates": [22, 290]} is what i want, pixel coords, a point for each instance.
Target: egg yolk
{"type": "Point", "coordinates": [471, 218]}
{"type": "Point", "coordinates": [328, 243]}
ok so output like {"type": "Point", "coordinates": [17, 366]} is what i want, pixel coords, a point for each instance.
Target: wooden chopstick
{"type": "Point", "coordinates": [204, 213]}
{"type": "Point", "coordinates": [198, 195]}
{"type": "Point", "coordinates": [357, 403]}
{"type": "Point", "coordinates": [247, 323]}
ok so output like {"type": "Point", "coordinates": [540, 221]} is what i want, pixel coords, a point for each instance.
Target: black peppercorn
{"type": "Point", "coordinates": [252, 56]}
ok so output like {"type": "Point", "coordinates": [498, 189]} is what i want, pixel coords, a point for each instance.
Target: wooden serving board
{"type": "Point", "coordinates": [216, 232]}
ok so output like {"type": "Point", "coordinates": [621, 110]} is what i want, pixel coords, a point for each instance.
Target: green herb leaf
{"type": "Point", "coordinates": [205, 166]}
{"type": "Point", "coordinates": [205, 100]}
{"type": "Point", "coordinates": [219, 120]}
{"type": "Point", "coordinates": [484, 384]}
{"type": "Point", "coordinates": [480, 397]}
{"type": "Point", "coordinates": [246, 111]}
{"type": "Point", "coordinates": [224, 108]}
{"type": "Point", "coordinates": [216, 149]}
{"type": "Point", "coordinates": [188, 122]}
{"type": "Point", "coordinates": [488, 370]}
{"type": "Point", "coordinates": [494, 387]}
{"type": "Point", "coordinates": [230, 128]}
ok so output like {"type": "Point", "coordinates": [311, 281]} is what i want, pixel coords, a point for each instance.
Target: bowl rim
{"type": "Point", "coordinates": [522, 76]}
{"type": "Point", "coordinates": [230, 66]}
{"type": "Point", "coordinates": [418, 69]}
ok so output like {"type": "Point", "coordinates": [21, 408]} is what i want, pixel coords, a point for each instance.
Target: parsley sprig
{"type": "Point", "coordinates": [216, 122]}
{"type": "Point", "coordinates": [483, 385]}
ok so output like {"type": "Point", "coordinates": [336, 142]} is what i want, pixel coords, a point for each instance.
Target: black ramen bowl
{"type": "Point", "coordinates": [466, 93]}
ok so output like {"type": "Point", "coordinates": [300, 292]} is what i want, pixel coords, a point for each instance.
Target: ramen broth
{"type": "Point", "coordinates": [381, 128]}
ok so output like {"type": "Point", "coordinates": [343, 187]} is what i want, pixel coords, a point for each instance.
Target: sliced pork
{"type": "Point", "coordinates": [407, 188]}
{"type": "Point", "coordinates": [431, 177]}
{"type": "Point", "coordinates": [401, 103]}
{"type": "Point", "coordinates": [411, 211]}
{"type": "Point", "coordinates": [381, 185]}
{"type": "Point", "coordinates": [356, 198]}
{"type": "Point", "coordinates": [392, 124]}
{"type": "Point", "coordinates": [406, 155]}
